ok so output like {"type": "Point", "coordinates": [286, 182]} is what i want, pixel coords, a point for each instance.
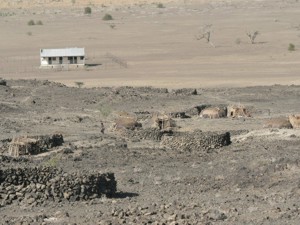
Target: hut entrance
{"type": "Point", "coordinates": [163, 122]}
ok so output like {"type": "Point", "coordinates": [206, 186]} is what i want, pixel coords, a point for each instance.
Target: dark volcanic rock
{"type": "Point", "coordinates": [33, 186]}
{"type": "Point", "coordinates": [196, 141]}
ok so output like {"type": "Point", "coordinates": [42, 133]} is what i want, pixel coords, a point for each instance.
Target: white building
{"type": "Point", "coordinates": [64, 57]}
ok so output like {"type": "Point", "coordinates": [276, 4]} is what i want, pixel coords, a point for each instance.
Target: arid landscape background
{"type": "Point", "coordinates": [158, 44]}
{"type": "Point", "coordinates": [176, 151]}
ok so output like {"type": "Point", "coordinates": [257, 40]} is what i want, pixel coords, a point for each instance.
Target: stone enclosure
{"type": "Point", "coordinates": [35, 186]}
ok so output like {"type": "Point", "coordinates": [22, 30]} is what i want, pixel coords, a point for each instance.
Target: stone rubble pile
{"type": "Point", "coordinates": [185, 91]}
{"type": "Point", "coordinates": [10, 159]}
{"type": "Point", "coordinates": [2, 82]}
{"type": "Point", "coordinates": [196, 141]}
{"type": "Point", "coordinates": [171, 213]}
{"type": "Point", "coordinates": [34, 186]}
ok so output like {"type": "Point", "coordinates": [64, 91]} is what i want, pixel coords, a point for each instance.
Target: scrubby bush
{"type": "Point", "coordinates": [39, 22]}
{"type": "Point", "coordinates": [238, 41]}
{"type": "Point", "coordinates": [160, 5]}
{"type": "Point", "coordinates": [291, 47]}
{"type": "Point", "coordinates": [87, 10]}
{"type": "Point", "coordinates": [107, 17]}
{"type": "Point", "coordinates": [31, 23]}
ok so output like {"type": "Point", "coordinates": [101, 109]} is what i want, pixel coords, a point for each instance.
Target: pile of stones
{"type": "Point", "coordinates": [171, 213]}
{"type": "Point", "coordinates": [10, 159]}
{"type": "Point", "coordinates": [2, 82]}
{"type": "Point", "coordinates": [185, 91]}
{"type": "Point", "coordinates": [35, 186]}
{"type": "Point", "coordinates": [196, 141]}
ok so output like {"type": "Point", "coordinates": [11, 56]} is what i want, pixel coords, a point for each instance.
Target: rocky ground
{"type": "Point", "coordinates": [252, 180]}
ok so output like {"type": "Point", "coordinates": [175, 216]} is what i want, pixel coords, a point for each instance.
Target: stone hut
{"type": "Point", "coordinates": [163, 122]}
{"type": "Point", "coordinates": [213, 112]}
{"type": "Point", "coordinates": [25, 145]}
{"type": "Point", "coordinates": [295, 120]}
{"type": "Point", "coordinates": [237, 111]}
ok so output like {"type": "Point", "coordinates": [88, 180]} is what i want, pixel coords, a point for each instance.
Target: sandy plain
{"type": "Point", "coordinates": [158, 44]}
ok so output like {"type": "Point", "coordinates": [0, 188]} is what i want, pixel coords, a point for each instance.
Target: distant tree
{"type": "Point", "coordinates": [160, 5]}
{"type": "Point", "coordinates": [30, 23]}
{"type": "Point", "coordinates": [39, 22]}
{"type": "Point", "coordinates": [112, 26]}
{"type": "Point", "coordinates": [87, 10]}
{"type": "Point", "coordinates": [107, 17]}
{"type": "Point", "coordinates": [252, 36]}
{"type": "Point", "coordinates": [205, 34]}
{"type": "Point", "coordinates": [291, 47]}
{"type": "Point", "coordinates": [79, 84]}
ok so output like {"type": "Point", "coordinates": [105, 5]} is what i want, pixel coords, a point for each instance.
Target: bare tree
{"type": "Point", "coordinates": [205, 34]}
{"type": "Point", "coordinates": [252, 36]}
{"type": "Point", "coordinates": [79, 84]}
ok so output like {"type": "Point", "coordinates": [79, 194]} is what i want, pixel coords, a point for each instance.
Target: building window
{"type": "Point", "coordinates": [69, 58]}
{"type": "Point", "coordinates": [81, 57]}
{"type": "Point", "coordinates": [54, 58]}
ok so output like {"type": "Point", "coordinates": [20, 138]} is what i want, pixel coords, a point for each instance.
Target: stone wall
{"type": "Point", "coordinates": [150, 133]}
{"type": "Point", "coordinates": [34, 186]}
{"type": "Point", "coordinates": [196, 141]}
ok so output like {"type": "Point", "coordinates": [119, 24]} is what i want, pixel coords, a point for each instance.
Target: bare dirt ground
{"type": "Point", "coordinates": [158, 44]}
{"type": "Point", "coordinates": [254, 180]}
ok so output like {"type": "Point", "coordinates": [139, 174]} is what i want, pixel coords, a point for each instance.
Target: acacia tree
{"type": "Point", "coordinates": [252, 36]}
{"type": "Point", "coordinates": [205, 34]}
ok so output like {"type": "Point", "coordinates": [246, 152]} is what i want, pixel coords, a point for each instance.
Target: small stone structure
{"type": "Point", "coordinates": [196, 141]}
{"type": "Point", "coordinates": [213, 112]}
{"type": "Point", "coordinates": [163, 122]}
{"type": "Point", "coordinates": [34, 144]}
{"type": "Point", "coordinates": [295, 120]}
{"type": "Point", "coordinates": [34, 186]}
{"type": "Point", "coordinates": [237, 111]}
